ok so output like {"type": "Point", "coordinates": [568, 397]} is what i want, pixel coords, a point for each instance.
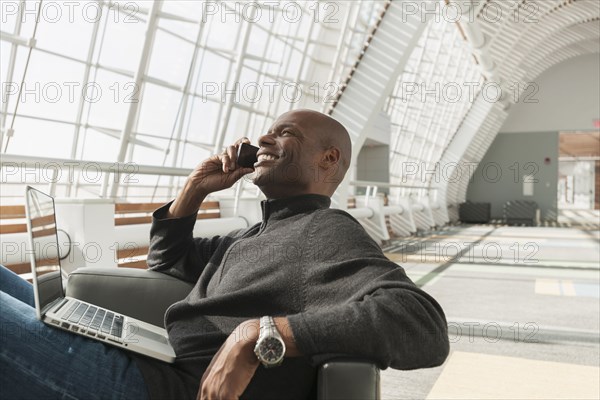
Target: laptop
{"type": "Point", "coordinates": [73, 315]}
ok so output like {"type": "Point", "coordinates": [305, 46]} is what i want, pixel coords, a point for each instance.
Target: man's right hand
{"type": "Point", "coordinates": [216, 173]}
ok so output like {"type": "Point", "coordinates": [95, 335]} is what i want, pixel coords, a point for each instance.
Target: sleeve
{"type": "Point", "coordinates": [360, 304]}
{"type": "Point", "coordinates": [173, 249]}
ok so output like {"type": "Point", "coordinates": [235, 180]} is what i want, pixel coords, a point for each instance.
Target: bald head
{"type": "Point", "coordinates": [330, 134]}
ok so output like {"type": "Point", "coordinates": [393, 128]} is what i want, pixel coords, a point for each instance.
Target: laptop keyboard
{"type": "Point", "coordinates": [94, 320]}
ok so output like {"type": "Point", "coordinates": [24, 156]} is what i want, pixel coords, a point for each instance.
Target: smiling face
{"type": "Point", "coordinates": [297, 156]}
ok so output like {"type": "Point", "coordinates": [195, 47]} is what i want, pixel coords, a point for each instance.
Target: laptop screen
{"type": "Point", "coordinates": [44, 253]}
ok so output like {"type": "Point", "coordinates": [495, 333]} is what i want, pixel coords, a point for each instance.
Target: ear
{"type": "Point", "coordinates": [330, 157]}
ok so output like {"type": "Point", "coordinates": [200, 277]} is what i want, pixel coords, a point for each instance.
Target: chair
{"type": "Point", "coordinates": [475, 213]}
{"type": "Point", "coordinates": [521, 212]}
{"type": "Point", "coordinates": [146, 295]}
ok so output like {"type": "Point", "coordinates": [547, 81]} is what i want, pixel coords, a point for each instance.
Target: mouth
{"type": "Point", "coordinates": [265, 157]}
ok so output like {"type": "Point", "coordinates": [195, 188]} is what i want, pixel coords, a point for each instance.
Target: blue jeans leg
{"type": "Point", "coordinates": [13, 285]}
{"type": "Point", "coordinates": [40, 362]}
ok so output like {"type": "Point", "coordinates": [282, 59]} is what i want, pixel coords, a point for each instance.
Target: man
{"type": "Point", "coordinates": [314, 269]}
{"type": "Point", "coordinates": [311, 270]}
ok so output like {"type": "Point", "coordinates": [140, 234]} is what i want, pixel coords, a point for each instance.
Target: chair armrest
{"type": "Point", "coordinates": [348, 380]}
{"type": "Point", "coordinates": [137, 293]}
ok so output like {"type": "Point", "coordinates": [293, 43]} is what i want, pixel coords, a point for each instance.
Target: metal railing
{"type": "Point", "coordinates": [372, 188]}
{"type": "Point", "coordinates": [58, 166]}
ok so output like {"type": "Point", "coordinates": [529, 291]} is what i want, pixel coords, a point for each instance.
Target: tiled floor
{"type": "Point", "coordinates": [523, 310]}
{"type": "Point", "coordinates": [484, 376]}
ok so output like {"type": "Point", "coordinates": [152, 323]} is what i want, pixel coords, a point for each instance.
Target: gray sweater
{"type": "Point", "coordinates": [313, 264]}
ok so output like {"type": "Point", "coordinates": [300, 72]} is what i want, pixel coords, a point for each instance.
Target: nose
{"type": "Point", "coordinates": [266, 140]}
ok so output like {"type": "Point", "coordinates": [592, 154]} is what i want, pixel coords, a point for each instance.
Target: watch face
{"type": "Point", "coordinates": [270, 350]}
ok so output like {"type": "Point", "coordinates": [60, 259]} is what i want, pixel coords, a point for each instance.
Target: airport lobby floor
{"type": "Point", "coordinates": [523, 309]}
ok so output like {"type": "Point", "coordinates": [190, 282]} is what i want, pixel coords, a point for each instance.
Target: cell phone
{"type": "Point", "coordinates": [246, 155]}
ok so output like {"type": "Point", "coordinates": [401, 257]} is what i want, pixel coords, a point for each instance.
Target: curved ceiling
{"type": "Point", "coordinates": [523, 39]}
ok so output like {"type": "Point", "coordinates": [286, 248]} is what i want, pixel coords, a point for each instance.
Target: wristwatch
{"type": "Point", "coordinates": [270, 347]}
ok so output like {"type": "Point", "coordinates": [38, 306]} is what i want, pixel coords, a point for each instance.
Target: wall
{"type": "Point", "coordinates": [373, 159]}
{"type": "Point", "coordinates": [499, 176]}
{"type": "Point", "coordinates": [568, 99]}
{"type": "Point", "coordinates": [373, 164]}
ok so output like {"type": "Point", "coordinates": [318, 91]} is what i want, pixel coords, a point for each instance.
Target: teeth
{"type": "Point", "coordinates": [266, 157]}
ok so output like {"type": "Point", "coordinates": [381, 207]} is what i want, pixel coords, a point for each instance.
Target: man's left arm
{"type": "Point", "coordinates": [361, 304]}
{"type": "Point", "coordinates": [391, 324]}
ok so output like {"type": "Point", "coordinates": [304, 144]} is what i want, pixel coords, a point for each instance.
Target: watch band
{"type": "Point", "coordinates": [268, 331]}
{"type": "Point", "coordinates": [268, 327]}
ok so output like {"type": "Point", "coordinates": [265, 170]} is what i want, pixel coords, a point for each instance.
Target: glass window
{"type": "Point", "coordinates": [99, 146]}
{"type": "Point", "coordinates": [41, 138]}
{"type": "Point", "coordinates": [158, 110]}
{"type": "Point", "coordinates": [429, 101]}
{"type": "Point", "coordinates": [107, 98]}
{"type": "Point", "coordinates": [274, 77]}
{"type": "Point", "coordinates": [66, 27]}
{"type": "Point", "coordinates": [170, 59]}
{"type": "Point", "coordinates": [51, 92]}
{"type": "Point", "coordinates": [121, 43]}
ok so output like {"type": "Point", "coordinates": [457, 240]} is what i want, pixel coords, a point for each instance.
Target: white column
{"type": "Point", "coordinates": [90, 223]}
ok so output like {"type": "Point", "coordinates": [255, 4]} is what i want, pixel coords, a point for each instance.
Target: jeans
{"type": "Point", "coordinates": [41, 362]}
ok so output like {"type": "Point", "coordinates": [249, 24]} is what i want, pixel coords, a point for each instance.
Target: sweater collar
{"type": "Point", "coordinates": [277, 209]}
